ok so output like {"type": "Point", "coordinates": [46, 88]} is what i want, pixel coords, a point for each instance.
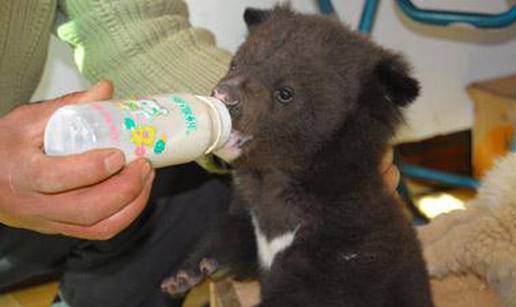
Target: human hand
{"type": "Point", "coordinates": [389, 171]}
{"type": "Point", "coordinates": [91, 195]}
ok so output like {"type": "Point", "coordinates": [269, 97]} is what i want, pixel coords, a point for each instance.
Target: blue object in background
{"type": "Point", "coordinates": [440, 18]}
{"type": "Point", "coordinates": [513, 145]}
{"type": "Point", "coordinates": [366, 20]}
{"type": "Point", "coordinates": [446, 18]}
{"type": "Point", "coordinates": [326, 7]}
{"type": "Point", "coordinates": [368, 16]}
{"type": "Point", "coordinates": [443, 177]}
{"type": "Point", "coordinates": [434, 17]}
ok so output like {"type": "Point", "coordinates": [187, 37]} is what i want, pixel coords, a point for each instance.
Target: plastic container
{"type": "Point", "coordinates": [167, 129]}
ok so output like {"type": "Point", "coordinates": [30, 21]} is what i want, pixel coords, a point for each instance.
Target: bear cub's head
{"type": "Point", "coordinates": [303, 83]}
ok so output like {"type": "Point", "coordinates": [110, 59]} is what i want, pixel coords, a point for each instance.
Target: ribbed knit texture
{"type": "Point", "coordinates": [144, 46]}
{"type": "Point", "coordinates": [24, 34]}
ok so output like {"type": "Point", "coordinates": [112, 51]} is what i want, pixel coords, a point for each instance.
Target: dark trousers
{"type": "Point", "coordinates": [126, 270]}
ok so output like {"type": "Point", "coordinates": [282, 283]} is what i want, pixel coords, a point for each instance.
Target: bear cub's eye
{"type": "Point", "coordinates": [284, 94]}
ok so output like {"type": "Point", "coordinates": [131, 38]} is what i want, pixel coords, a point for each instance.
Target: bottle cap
{"type": "Point", "coordinates": [223, 119]}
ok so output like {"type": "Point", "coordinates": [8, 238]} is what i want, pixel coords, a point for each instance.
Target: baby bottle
{"type": "Point", "coordinates": [166, 129]}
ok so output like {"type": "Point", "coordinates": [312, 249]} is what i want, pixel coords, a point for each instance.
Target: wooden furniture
{"type": "Point", "coordinates": [494, 120]}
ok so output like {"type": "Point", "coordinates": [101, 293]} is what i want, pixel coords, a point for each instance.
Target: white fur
{"type": "Point", "coordinates": [498, 188]}
{"type": "Point", "coordinates": [482, 238]}
{"type": "Point", "coordinates": [267, 250]}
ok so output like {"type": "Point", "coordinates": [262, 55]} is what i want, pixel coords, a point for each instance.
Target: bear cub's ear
{"type": "Point", "coordinates": [399, 87]}
{"type": "Point", "coordinates": [254, 17]}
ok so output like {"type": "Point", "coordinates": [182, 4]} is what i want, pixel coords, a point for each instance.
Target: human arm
{"type": "Point", "coordinates": [24, 34]}
{"type": "Point", "coordinates": [90, 195]}
{"type": "Point", "coordinates": [389, 171]}
{"type": "Point", "coordinates": [144, 47]}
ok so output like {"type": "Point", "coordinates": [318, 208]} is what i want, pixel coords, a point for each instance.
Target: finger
{"type": "Point", "coordinates": [387, 159]}
{"type": "Point", "coordinates": [112, 225]}
{"type": "Point", "coordinates": [391, 177]}
{"type": "Point", "coordinates": [42, 111]}
{"type": "Point", "coordinates": [59, 174]}
{"type": "Point", "coordinates": [90, 205]}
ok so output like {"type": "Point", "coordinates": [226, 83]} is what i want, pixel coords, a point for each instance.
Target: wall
{"type": "Point", "coordinates": [445, 60]}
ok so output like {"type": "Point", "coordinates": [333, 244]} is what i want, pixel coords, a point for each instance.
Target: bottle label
{"type": "Point", "coordinates": [140, 114]}
{"type": "Point", "coordinates": [108, 119]}
{"type": "Point", "coordinates": [147, 107]}
{"type": "Point", "coordinates": [188, 116]}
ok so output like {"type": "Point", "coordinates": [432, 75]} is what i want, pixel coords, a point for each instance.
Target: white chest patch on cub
{"type": "Point", "coordinates": [267, 250]}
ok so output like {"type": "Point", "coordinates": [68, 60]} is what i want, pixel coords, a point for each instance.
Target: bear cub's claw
{"type": "Point", "coordinates": [184, 280]}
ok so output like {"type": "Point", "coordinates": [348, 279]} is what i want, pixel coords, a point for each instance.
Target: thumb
{"type": "Point", "coordinates": [103, 90]}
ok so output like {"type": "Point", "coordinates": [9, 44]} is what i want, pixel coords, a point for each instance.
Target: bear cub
{"type": "Point", "coordinates": [315, 106]}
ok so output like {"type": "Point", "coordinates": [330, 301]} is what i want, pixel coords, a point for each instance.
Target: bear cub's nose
{"type": "Point", "coordinates": [226, 93]}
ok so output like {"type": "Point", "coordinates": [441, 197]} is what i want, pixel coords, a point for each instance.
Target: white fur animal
{"type": "Point", "coordinates": [482, 238]}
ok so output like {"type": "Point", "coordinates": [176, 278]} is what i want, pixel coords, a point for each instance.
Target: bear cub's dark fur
{"type": "Point", "coordinates": [321, 104]}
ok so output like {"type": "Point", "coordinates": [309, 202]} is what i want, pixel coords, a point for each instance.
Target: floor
{"type": "Point", "coordinates": [42, 296]}
{"type": "Point", "coordinates": [39, 296]}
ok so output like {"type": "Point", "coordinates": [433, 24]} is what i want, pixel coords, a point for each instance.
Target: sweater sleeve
{"type": "Point", "coordinates": [145, 47]}
{"type": "Point", "coordinates": [24, 33]}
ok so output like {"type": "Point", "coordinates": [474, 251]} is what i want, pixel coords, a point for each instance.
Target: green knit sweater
{"type": "Point", "coordinates": [145, 47]}
{"type": "Point", "coordinates": [24, 34]}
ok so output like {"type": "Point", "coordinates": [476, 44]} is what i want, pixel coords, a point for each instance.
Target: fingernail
{"type": "Point", "coordinates": [397, 176]}
{"type": "Point", "coordinates": [114, 162]}
{"type": "Point", "coordinates": [146, 169]}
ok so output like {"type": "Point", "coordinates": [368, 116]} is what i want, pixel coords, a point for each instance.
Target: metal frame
{"type": "Point", "coordinates": [368, 16]}
{"type": "Point", "coordinates": [446, 18]}
{"type": "Point", "coordinates": [440, 18]}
